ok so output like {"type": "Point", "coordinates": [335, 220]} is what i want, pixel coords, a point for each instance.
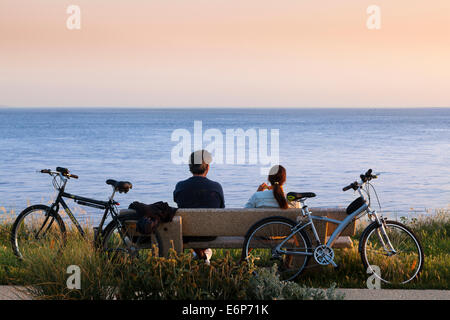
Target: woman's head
{"type": "Point", "coordinates": [277, 177]}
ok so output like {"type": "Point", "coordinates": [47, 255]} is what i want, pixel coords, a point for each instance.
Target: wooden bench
{"type": "Point", "coordinates": [231, 225]}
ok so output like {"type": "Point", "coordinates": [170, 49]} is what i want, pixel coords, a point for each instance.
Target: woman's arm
{"type": "Point", "coordinates": [263, 186]}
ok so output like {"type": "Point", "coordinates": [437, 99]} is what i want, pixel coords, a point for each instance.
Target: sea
{"type": "Point", "coordinates": [323, 150]}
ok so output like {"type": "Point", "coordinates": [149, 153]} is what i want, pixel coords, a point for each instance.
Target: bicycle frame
{"type": "Point", "coordinates": [108, 206]}
{"type": "Point", "coordinates": [341, 225]}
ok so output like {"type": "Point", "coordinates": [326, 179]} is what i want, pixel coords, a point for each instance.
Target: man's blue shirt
{"type": "Point", "coordinates": [198, 192]}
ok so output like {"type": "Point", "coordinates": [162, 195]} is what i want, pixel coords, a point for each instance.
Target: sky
{"type": "Point", "coordinates": [225, 53]}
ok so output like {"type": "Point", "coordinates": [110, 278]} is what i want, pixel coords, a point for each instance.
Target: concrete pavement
{"type": "Point", "coordinates": [19, 293]}
{"type": "Point", "coordinates": [14, 293]}
{"type": "Point", "coordinates": [394, 294]}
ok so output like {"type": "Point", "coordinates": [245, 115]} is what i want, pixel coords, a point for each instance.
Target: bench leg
{"type": "Point", "coordinates": [171, 235]}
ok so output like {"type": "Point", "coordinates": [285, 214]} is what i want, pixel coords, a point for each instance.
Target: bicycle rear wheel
{"type": "Point", "coordinates": [36, 227]}
{"type": "Point", "coordinates": [264, 236]}
{"type": "Point", "coordinates": [396, 267]}
{"type": "Point", "coordinates": [136, 246]}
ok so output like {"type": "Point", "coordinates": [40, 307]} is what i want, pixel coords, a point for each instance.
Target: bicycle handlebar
{"type": "Point", "coordinates": [364, 178]}
{"type": "Point", "coordinates": [61, 171]}
{"type": "Point", "coordinates": [353, 186]}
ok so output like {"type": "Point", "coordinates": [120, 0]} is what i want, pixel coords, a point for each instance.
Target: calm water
{"type": "Point", "coordinates": [322, 150]}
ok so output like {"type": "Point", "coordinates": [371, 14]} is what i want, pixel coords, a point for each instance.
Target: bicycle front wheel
{"type": "Point", "coordinates": [266, 235]}
{"type": "Point", "coordinates": [36, 227]}
{"type": "Point", "coordinates": [121, 242]}
{"type": "Point", "coordinates": [393, 253]}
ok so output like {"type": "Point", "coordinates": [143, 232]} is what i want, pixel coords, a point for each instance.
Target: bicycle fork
{"type": "Point", "coordinates": [47, 217]}
{"type": "Point", "coordinates": [125, 238]}
{"type": "Point", "coordinates": [382, 235]}
{"type": "Point", "coordinates": [36, 236]}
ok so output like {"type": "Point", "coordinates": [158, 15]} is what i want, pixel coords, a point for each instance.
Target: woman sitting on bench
{"type": "Point", "coordinates": [271, 196]}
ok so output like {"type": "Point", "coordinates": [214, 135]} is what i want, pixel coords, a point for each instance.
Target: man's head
{"type": "Point", "coordinates": [199, 162]}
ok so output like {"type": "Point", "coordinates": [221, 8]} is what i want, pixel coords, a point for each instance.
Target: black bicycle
{"type": "Point", "coordinates": [41, 225]}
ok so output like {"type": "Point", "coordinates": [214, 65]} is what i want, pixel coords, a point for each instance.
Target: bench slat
{"type": "Point", "coordinates": [234, 222]}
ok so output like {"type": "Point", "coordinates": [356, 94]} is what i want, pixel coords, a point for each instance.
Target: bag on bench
{"type": "Point", "coordinates": [150, 215]}
{"type": "Point", "coordinates": [146, 225]}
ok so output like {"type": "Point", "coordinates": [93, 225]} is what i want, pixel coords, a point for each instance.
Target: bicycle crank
{"type": "Point", "coordinates": [324, 255]}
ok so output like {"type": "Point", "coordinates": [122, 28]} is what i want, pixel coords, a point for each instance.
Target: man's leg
{"type": "Point", "coordinates": [200, 253]}
{"type": "Point", "coordinates": [203, 253]}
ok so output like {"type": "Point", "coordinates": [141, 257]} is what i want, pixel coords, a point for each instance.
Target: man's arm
{"type": "Point", "coordinates": [222, 198]}
{"type": "Point", "coordinates": [175, 193]}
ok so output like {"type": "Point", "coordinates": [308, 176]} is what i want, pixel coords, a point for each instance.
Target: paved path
{"type": "Point", "coordinates": [394, 294]}
{"type": "Point", "coordinates": [13, 293]}
{"type": "Point", "coordinates": [18, 293]}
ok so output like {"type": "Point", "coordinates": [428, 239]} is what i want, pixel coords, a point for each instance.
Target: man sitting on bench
{"type": "Point", "coordinates": [199, 192]}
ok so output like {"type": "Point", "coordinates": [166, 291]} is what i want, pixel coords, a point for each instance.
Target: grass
{"type": "Point", "coordinates": [180, 277]}
{"type": "Point", "coordinates": [44, 272]}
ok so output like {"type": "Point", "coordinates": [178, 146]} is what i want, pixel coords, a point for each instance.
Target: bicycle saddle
{"type": "Point", "coordinates": [121, 186]}
{"type": "Point", "coordinates": [292, 196]}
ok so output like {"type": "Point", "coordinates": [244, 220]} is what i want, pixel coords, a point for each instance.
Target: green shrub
{"type": "Point", "coordinates": [154, 278]}
{"type": "Point", "coordinates": [266, 285]}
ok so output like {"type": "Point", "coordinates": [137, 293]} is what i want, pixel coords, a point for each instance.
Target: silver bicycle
{"type": "Point", "coordinates": [388, 249]}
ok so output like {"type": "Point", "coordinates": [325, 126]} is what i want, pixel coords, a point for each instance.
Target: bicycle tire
{"type": "Point", "coordinates": [15, 229]}
{"type": "Point", "coordinates": [388, 264]}
{"type": "Point", "coordinates": [137, 242]}
{"type": "Point", "coordinates": [284, 268]}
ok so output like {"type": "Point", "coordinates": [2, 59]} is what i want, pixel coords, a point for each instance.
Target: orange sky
{"type": "Point", "coordinates": [225, 53]}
